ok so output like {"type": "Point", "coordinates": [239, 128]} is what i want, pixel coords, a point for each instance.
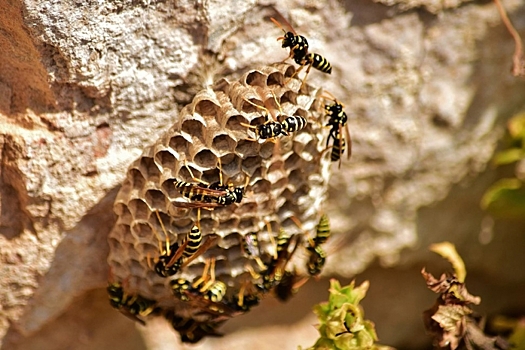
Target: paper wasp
{"type": "Point", "coordinates": [190, 330]}
{"type": "Point", "coordinates": [205, 292]}
{"type": "Point", "coordinates": [272, 129]}
{"type": "Point", "coordinates": [131, 306]}
{"type": "Point", "coordinates": [173, 257]}
{"type": "Point", "coordinates": [208, 196]}
{"type": "Point", "coordinates": [207, 286]}
{"type": "Point", "coordinates": [337, 121]}
{"type": "Point", "coordinates": [276, 269]}
{"type": "Point", "coordinates": [317, 257]}
{"type": "Point", "coordinates": [243, 302]}
{"type": "Point", "coordinates": [299, 51]}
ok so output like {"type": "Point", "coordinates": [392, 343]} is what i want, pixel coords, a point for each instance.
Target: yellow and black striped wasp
{"type": "Point", "coordinates": [209, 196]}
{"type": "Point", "coordinates": [337, 121]}
{"type": "Point", "coordinates": [317, 256]}
{"type": "Point", "coordinates": [242, 302]}
{"type": "Point", "coordinates": [132, 306]}
{"type": "Point", "coordinates": [299, 51]}
{"type": "Point", "coordinates": [276, 269]}
{"type": "Point", "coordinates": [272, 129]}
{"type": "Point", "coordinates": [173, 257]}
{"type": "Point", "coordinates": [206, 286]}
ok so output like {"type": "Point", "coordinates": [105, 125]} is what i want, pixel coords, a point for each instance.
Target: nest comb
{"type": "Point", "coordinates": [284, 179]}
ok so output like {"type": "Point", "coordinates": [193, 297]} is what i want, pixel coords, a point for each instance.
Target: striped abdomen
{"type": "Point", "coordinates": [338, 148]}
{"type": "Point", "coordinates": [323, 230]}
{"type": "Point", "coordinates": [194, 242]}
{"type": "Point", "coordinates": [319, 62]}
{"type": "Point", "coordinates": [294, 123]}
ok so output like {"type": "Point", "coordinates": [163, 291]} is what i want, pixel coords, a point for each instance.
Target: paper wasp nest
{"type": "Point", "coordinates": [285, 179]}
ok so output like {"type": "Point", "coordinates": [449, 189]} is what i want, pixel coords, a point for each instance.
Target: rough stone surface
{"type": "Point", "coordinates": [85, 88]}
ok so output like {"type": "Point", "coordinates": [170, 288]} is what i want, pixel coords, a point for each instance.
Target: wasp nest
{"type": "Point", "coordinates": [286, 181]}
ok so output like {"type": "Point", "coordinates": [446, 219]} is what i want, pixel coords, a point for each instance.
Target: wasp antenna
{"type": "Point", "coordinates": [276, 22]}
{"type": "Point", "coordinates": [285, 22]}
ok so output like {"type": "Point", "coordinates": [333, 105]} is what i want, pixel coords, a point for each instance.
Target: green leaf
{"type": "Point", "coordinates": [516, 126]}
{"type": "Point", "coordinates": [509, 156]}
{"type": "Point", "coordinates": [505, 199]}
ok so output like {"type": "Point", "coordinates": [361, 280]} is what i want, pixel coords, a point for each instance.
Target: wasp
{"type": "Point", "coordinates": [208, 195]}
{"type": "Point", "coordinates": [317, 256]}
{"type": "Point", "coordinates": [289, 285]}
{"type": "Point", "coordinates": [271, 129]}
{"type": "Point", "coordinates": [276, 269]}
{"type": "Point", "coordinates": [174, 257]}
{"type": "Point", "coordinates": [299, 52]}
{"type": "Point", "coordinates": [243, 302]}
{"type": "Point", "coordinates": [190, 330]}
{"type": "Point", "coordinates": [337, 121]}
{"type": "Point", "coordinates": [131, 306]}
{"type": "Point", "coordinates": [294, 123]}
{"type": "Point", "coordinates": [205, 286]}
{"type": "Point", "coordinates": [210, 288]}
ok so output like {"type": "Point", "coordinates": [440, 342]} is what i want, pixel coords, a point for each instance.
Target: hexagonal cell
{"type": "Point", "coordinates": [296, 178]}
{"type": "Point", "coordinates": [114, 244]}
{"type": "Point", "coordinates": [250, 164]}
{"type": "Point", "coordinates": [139, 209]}
{"type": "Point", "coordinates": [194, 128]}
{"type": "Point", "coordinates": [155, 199]}
{"type": "Point", "coordinates": [267, 150]}
{"type": "Point", "coordinates": [207, 226]}
{"type": "Point", "coordinates": [142, 230]}
{"type": "Point", "coordinates": [229, 241]}
{"type": "Point", "coordinates": [179, 144]}
{"type": "Point", "coordinates": [149, 169]}
{"type": "Point", "coordinates": [224, 143]}
{"type": "Point", "coordinates": [309, 150]}
{"type": "Point", "coordinates": [136, 178]}
{"type": "Point", "coordinates": [247, 208]}
{"type": "Point", "coordinates": [123, 213]}
{"type": "Point", "coordinates": [230, 165]}
{"type": "Point", "coordinates": [246, 148]}
{"type": "Point", "coordinates": [167, 159]}
{"type": "Point", "coordinates": [275, 78]}
{"type": "Point", "coordinates": [229, 225]}
{"type": "Point", "coordinates": [206, 108]}
{"type": "Point", "coordinates": [289, 98]}
{"type": "Point", "coordinates": [255, 78]}
{"type": "Point", "coordinates": [247, 224]}
{"type": "Point", "coordinates": [289, 71]}
{"type": "Point", "coordinates": [169, 188]}
{"type": "Point", "coordinates": [292, 162]}
{"type": "Point", "coordinates": [261, 186]}
{"type": "Point", "coordinates": [234, 123]}
{"type": "Point", "coordinates": [205, 159]}
{"type": "Point", "coordinates": [301, 192]}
